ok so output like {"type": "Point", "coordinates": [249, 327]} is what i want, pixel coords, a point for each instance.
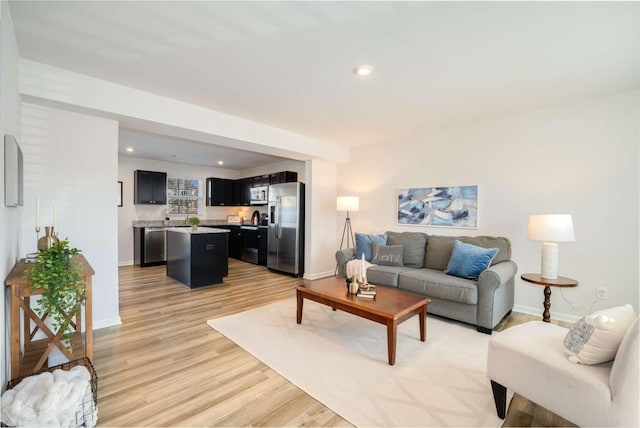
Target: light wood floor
{"type": "Point", "coordinates": [164, 366]}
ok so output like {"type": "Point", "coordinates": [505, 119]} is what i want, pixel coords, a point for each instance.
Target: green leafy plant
{"type": "Point", "coordinates": [193, 221]}
{"type": "Point", "coordinates": [61, 287]}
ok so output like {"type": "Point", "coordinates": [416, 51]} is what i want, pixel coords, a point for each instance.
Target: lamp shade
{"type": "Point", "coordinates": [551, 228]}
{"type": "Point", "coordinates": [348, 203]}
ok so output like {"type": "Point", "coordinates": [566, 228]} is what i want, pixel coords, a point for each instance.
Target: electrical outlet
{"type": "Point", "coordinates": [602, 292]}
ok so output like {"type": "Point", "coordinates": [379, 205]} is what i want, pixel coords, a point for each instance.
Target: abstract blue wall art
{"type": "Point", "coordinates": [453, 206]}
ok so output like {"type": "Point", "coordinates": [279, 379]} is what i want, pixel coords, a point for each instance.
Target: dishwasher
{"type": "Point", "coordinates": [250, 244]}
{"type": "Point", "coordinates": [154, 245]}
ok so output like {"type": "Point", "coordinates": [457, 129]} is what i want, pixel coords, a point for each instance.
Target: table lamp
{"type": "Point", "coordinates": [550, 228]}
{"type": "Point", "coordinates": [347, 203]}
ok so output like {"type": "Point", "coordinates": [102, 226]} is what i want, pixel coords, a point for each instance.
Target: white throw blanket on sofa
{"type": "Point", "coordinates": [48, 399]}
{"type": "Point", "coordinates": [354, 267]}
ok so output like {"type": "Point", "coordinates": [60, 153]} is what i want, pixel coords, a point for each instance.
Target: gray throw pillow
{"type": "Point", "coordinates": [414, 246]}
{"type": "Point", "coordinates": [387, 255]}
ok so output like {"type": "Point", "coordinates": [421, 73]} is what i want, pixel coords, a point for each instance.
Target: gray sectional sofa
{"type": "Point", "coordinates": [482, 303]}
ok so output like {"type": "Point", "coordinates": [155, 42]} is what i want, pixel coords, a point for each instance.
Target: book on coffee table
{"type": "Point", "coordinates": [366, 296]}
{"type": "Point", "coordinates": [367, 291]}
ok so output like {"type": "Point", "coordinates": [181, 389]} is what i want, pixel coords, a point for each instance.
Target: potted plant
{"type": "Point", "coordinates": [194, 222]}
{"type": "Point", "coordinates": [61, 287]}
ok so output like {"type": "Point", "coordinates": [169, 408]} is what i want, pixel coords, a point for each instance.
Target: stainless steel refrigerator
{"type": "Point", "coordinates": [285, 240]}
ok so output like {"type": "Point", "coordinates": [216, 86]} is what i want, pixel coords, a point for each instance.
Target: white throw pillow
{"type": "Point", "coordinates": [595, 338]}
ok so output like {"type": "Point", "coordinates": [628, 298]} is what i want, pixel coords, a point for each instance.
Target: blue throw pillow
{"type": "Point", "coordinates": [468, 261]}
{"type": "Point", "coordinates": [364, 244]}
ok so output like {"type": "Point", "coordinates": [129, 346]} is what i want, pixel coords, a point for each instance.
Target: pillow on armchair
{"type": "Point", "coordinates": [595, 338]}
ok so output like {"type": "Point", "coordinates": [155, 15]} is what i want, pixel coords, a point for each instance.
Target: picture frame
{"type": "Point", "coordinates": [13, 173]}
{"type": "Point", "coordinates": [119, 199]}
{"type": "Point", "coordinates": [443, 206]}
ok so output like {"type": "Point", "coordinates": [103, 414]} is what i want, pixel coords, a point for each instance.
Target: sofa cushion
{"type": "Point", "coordinates": [439, 249]}
{"type": "Point", "coordinates": [437, 284]}
{"type": "Point", "coordinates": [438, 252]}
{"type": "Point", "coordinates": [387, 255]}
{"type": "Point", "coordinates": [502, 244]}
{"type": "Point", "coordinates": [595, 338]}
{"type": "Point", "coordinates": [385, 275]}
{"type": "Point", "coordinates": [364, 244]}
{"type": "Point", "coordinates": [468, 260]}
{"type": "Point", "coordinates": [414, 246]}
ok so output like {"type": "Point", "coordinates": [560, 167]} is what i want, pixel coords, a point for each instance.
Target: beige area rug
{"type": "Point", "coordinates": [341, 360]}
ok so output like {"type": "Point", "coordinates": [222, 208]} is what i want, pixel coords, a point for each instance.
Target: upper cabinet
{"type": "Point", "coordinates": [149, 187]}
{"type": "Point", "coordinates": [283, 177]}
{"type": "Point", "coordinates": [261, 180]}
{"type": "Point", "coordinates": [226, 192]}
{"type": "Point", "coordinates": [220, 192]}
{"type": "Point", "coordinates": [242, 191]}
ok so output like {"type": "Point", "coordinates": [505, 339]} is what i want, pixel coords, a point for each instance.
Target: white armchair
{"type": "Point", "coordinates": [530, 359]}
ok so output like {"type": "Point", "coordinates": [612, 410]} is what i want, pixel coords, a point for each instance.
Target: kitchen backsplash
{"type": "Point", "coordinates": [157, 212]}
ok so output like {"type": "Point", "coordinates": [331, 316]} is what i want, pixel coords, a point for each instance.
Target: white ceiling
{"type": "Point", "coordinates": [288, 64]}
{"type": "Point", "coordinates": [164, 148]}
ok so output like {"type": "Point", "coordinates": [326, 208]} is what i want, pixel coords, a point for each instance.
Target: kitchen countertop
{"type": "Point", "coordinates": [174, 223]}
{"type": "Point", "coordinates": [199, 230]}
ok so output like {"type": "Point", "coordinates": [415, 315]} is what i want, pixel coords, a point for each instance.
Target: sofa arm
{"type": "Point", "coordinates": [495, 293]}
{"type": "Point", "coordinates": [496, 275]}
{"type": "Point", "coordinates": [342, 257]}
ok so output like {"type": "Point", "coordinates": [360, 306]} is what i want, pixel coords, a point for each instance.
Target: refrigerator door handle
{"type": "Point", "coordinates": [279, 218]}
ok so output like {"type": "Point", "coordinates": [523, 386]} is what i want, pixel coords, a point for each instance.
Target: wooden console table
{"type": "Point", "coordinates": [36, 351]}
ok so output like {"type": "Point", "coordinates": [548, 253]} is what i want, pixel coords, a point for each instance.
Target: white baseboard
{"type": "Point", "coordinates": [538, 312]}
{"type": "Point", "coordinates": [106, 323]}
{"type": "Point", "coordinates": [313, 276]}
{"type": "Point", "coordinates": [125, 263]}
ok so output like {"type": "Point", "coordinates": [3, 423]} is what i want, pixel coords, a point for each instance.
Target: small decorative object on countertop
{"type": "Point", "coordinates": [194, 222]}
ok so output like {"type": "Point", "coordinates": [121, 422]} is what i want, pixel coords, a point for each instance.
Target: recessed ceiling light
{"type": "Point", "coordinates": [220, 163]}
{"type": "Point", "coordinates": [129, 149]}
{"type": "Point", "coordinates": [363, 70]}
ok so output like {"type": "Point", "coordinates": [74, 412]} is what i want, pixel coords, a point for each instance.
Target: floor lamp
{"type": "Point", "coordinates": [347, 203]}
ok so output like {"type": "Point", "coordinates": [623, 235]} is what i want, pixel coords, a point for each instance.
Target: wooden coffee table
{"type": "Point", "coordinates": [390, 307]}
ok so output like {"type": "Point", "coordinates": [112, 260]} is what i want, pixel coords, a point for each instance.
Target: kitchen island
{"type": "Point", "coordinates": [197, 257]}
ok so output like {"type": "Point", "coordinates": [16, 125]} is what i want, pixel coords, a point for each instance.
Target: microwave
{"type": "Point", "coordinates": [259, 195]}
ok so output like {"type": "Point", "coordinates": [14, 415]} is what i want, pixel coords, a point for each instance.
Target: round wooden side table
{"type": "Point", "coordinates": [536, 278]}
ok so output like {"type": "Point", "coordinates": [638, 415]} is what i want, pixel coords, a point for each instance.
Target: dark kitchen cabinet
{"type": "Point", "coordinates": [261, 180]}
{"type": "Point", "coordinates": [235, 240]}
{"type": "Point", "coordinates": [262, 246]}
{"type": "Point", "coordinates": [150, 187]}
{"type": "Point", "coordinates": [283, 177]}
{"type": "Point", "coordinates": [226, 192]}
{"type": "Point", "coordinates": [220, 192]}
{"type": "Point", "coordinates": [197, 259]}
{"type": "Point", "coordinates": [242, 191]}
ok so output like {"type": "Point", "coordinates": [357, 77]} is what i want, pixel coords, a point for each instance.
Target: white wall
{"type": "Point", "coordinates": [10, 217]}
{"type": "Point", "coordinates": [130, 212]}
{"type": "Point", "coordinates": [71, 159]}
{"type": "Point", "coordinates": [579, 159]}
{"type": "Point", "coordinates": [320, 198]}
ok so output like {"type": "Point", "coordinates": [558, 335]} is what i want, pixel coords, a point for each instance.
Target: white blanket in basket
{"type": "Point", "coordinates": [48, 399]}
